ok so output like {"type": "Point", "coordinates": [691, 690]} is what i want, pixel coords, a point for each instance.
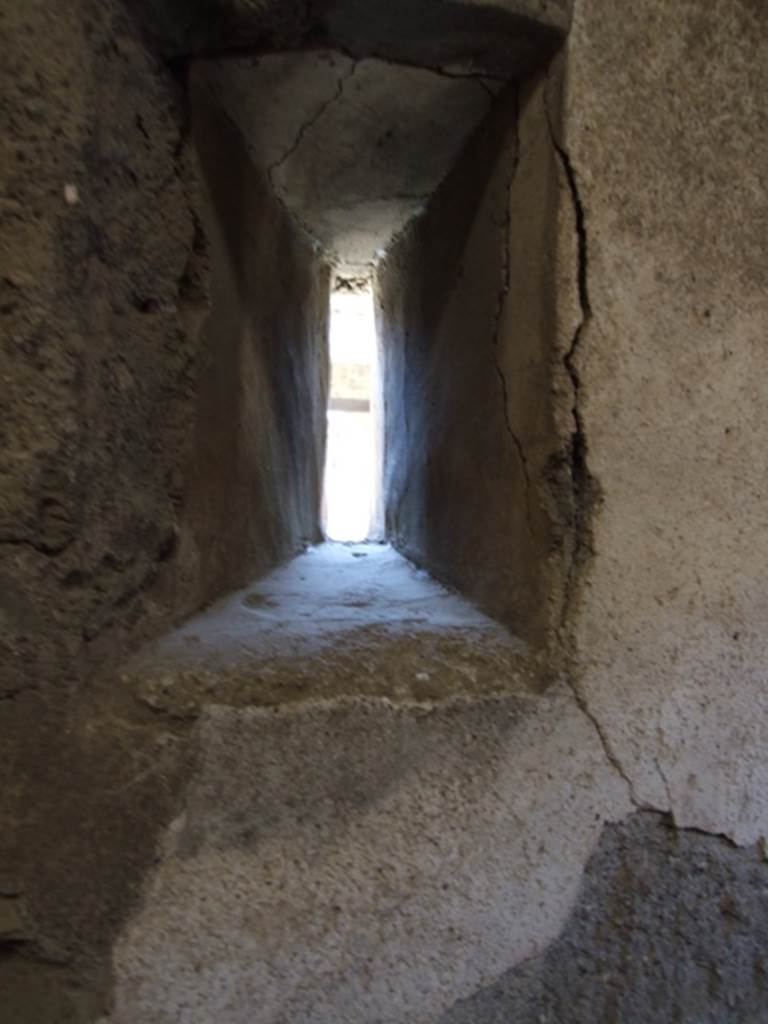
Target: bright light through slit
{"type": "Point", "coordinates": [351, 464]}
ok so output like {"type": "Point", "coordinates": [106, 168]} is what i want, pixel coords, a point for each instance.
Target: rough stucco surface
{"type": "Point", "coordinates": [619, 957]}
{"type": "Point", "coordinates": [660, 323]}
{"type": "Point", "coordinates": [98, 331]}
{"type": "Point", "coordinates": [425, 848]}
{"type": "Point", "coordinates": [101, 294]}
{"type": "Point", "coordinates": [110, 381]}
{"type": "Point", "coordinates": [665, 124]}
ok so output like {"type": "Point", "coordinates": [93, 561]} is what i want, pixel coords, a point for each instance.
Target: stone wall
{"type": "Point", "coordinates": [139, 399]}
{"type": "Point", "coordinates": [103, 287]}
{"type": "Point", "coordinates": [146, 449]}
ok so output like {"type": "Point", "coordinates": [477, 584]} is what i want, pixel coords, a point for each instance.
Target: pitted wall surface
{"type": "Point", "coordinates": [649, 891]}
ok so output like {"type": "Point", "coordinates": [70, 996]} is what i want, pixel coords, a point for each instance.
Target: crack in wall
{"type": "Point", "coordinates": [665, 780]}
{"type": "Point", "coordinates": [282, 190]}
{"type": "Point", "coordinates": [488, 90]}
{"type": "Point", "coordinates": [582, 482]}
{"type": "Point", "coordinates": [484, 79]}
{"type": "Point", "coordinates": [610, 754]}
{"type": "Point", "coordinates": [481, 77]}
{"type": "Point", "coordinates": [309, 123]}
{"type": "Point", "coordinates": [277, 164]}
{"type": "Point", "coordinates": [503, 292]}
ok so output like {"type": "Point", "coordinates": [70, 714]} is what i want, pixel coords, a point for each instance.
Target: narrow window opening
{"type": "Point", "coordinates": [352, 462]}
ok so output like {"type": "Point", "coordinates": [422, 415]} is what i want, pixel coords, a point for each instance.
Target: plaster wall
{"type": "Point", "coordinates": [620, 955]}
{"type": "Point", "coordinates": [395, 854]}
{"type": "Point", "coordinates": [663, 127]}
{"type": "Point", "coordinates": [254, 484]}
{"type": "Point", "coordinates": [153, 455]}
{"type": "Point", "coordinates": [476, 482]}
{"type": "Point", "coordinates": [661, 141]}
{"type": "Point", "coordinates": [648, 292]}
{"type": "Point", "coordinates": [336, 138]}
{"type": "Point", "coordinates": [651, 124]}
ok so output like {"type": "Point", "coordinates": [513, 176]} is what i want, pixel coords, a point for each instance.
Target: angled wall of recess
{"type": "Point", "coordinates": [371, 157]}
{"type": "Point", "coordinates": [253, 488]}
{"type": "Point", "coordinates": [476, 479]}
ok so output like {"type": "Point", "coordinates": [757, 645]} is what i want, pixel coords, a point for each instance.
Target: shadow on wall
{"type": "Point", "coordinates": [666, 927]}
{"type": "Point", "coordinates": [501, 39]}
{"type": "Point", "coordinates": [253, 495]}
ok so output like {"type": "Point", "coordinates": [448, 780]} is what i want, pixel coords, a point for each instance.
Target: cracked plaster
{"type": "Point", "coordinates": [337, 139]}
{"type": "Point", "coordinates": [471, 439]}
{"type": "Point", "coordinates": [719, 730]}
{"type": "Point", "coordinates": [667, 627]}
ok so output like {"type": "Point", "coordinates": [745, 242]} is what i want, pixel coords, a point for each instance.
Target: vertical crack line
{"type": "Point", "coordinates": [310, 123]}
{"type": "Point", "coordinates": [610, 754]}
{"type": "Point", "coordinates": [497, 317]}
{"type": "Point", "coordinates": [581, 479]}
{"type": "Point", "coordinates": [665, 781]}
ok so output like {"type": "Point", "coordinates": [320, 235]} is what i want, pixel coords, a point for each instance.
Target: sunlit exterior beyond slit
{"type": "Point", "coordinates": [352, 461]}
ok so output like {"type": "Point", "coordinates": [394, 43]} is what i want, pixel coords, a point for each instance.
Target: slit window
{"type": "Point", "coordinates": [352, 463]}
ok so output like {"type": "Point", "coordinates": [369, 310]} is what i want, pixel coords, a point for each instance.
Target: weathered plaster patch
{"type": "Point", "coordinates": [424, 851]}
{"type": "Point", "coordinates": [669, 925]}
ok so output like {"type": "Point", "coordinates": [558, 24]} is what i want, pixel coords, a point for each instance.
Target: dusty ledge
{"type": "Point", "coordinates": [340, 620]}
